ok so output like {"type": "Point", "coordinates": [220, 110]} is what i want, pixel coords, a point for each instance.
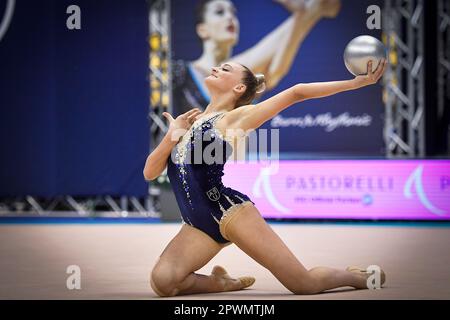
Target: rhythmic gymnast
{"type": "Point", "coordinates": [214, 215]}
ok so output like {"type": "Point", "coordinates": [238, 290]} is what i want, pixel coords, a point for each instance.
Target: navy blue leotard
{"type": "Point", "coordinates": [197, 185]}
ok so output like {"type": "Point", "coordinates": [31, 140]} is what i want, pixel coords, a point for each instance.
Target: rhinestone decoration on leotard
{"type": "Point", "coordinates": [187, 141]}
{"type": "Point", "coordinates": [231, 210]}
{"type": "Point", "coordinates": [189, 221]}
{"type": "Point", "coordinates": [229, 200]}
{"type": "Point", "coordinates": [185, 146]}
{"type": "Point", "coordinates": [217, 220]}
{"type": "Point", "coordinates": [191, 180]}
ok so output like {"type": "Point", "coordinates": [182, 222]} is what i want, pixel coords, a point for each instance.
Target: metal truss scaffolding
{"type": "Point", "coordinates": [71, 206]}
{"type": "Point", "coordinates": [120, 206]}
{"type": "Point", "coordinates": [403, 34]}
{"type": "Point", "coordinates": [160, 86]}
{"type": "Point", "coordinates": [443, 41]}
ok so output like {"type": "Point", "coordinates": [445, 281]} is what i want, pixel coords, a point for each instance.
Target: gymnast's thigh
{"type": "Point", "coordinates": [189, 250]}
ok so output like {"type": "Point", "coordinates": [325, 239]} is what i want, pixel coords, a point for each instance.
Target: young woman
{"type": "Point", "coordinates": [217, 27]}
{"type": "Point", "coordinates": [215, 215]}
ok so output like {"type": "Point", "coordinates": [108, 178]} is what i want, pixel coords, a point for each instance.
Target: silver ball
{"type": "Point", "coordinates": [360, 51]}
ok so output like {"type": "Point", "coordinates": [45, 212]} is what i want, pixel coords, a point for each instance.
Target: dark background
{"type": "Point", "coordinates": [74, 104]}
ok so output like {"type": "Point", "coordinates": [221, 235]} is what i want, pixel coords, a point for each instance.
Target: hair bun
{"type": "Point", "coordinates": [260, 83]}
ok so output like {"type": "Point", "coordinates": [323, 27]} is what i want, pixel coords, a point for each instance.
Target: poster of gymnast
{"type": "Point", "coordinates": [289, 41]}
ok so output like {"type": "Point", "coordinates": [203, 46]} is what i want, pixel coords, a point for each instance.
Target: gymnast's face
{"type": "Point", "coordinates": [226, 77]}
{"type": "Point", "coordinates": [220, 23]}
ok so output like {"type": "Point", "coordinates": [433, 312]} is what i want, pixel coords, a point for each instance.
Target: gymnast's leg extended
{"type": "Point", "coordinates": [250, 232]}
{"type": "Point", "coordinates": [189, 251]}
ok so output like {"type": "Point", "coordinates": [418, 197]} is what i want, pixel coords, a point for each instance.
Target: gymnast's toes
{"type": "Point", "coordinates": [220, 271]}
{"type": "Point", "coordinates": [246, 281]}
{"type": "Point", "coordinates": [366, 274]}
{"type": "Point", "coordinates": [228, 283]}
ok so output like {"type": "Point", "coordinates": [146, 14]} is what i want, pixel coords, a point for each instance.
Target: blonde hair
{"type": "Point", "coordinates": [255, 84]}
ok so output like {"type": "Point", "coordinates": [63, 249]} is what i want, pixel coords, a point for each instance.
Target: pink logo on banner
{"type": "Point", "coordinates": [346, 189]}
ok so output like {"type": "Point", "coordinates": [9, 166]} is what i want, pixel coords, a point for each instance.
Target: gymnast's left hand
{"type": "Point", "coordinates": [371, 77]}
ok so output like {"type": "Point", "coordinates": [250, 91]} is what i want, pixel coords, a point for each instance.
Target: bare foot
{"type": "Point", "coordinates": [363, 273]}
{"type": "Point", "coordinates": [228, 283]}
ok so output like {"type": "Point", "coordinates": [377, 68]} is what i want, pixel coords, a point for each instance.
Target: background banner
{"type": "Point", "coordinates": [346, 189]}
{"type": "Point", "coordinates": [348, 124]}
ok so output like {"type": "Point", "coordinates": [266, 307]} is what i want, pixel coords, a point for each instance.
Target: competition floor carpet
{"type": "Point", "coordinates": [115, 260]}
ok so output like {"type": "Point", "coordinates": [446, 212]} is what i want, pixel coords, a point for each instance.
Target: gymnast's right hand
{"type": "Point", "coordinates": [179, 126]}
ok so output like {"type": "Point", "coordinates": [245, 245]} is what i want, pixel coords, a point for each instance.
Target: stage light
{"type": "Point", "coordinates": [165, 42]}
{"type": "Point", "coordinates": [392, 40]}
{"type": "Point", "coordinates": [156, 97]}
{"type": "Point", "coordinates": [155, 61]}
{"type": "Point", "coordinates": [155, 84]}
{"type": "Point", "coordinates": [165, 99]}
{"type": "Point", "coordinates": [393, 58]}
{"type": "Point", "coordinates": [155, 41]}
{"type": "Point", "coordinates": [164, 64]}
{"type": "Point", "coordinates": [394, 80]}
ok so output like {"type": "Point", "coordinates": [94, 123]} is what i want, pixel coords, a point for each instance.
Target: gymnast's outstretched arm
{"type": "Point", "coordinates": [250, 117]}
